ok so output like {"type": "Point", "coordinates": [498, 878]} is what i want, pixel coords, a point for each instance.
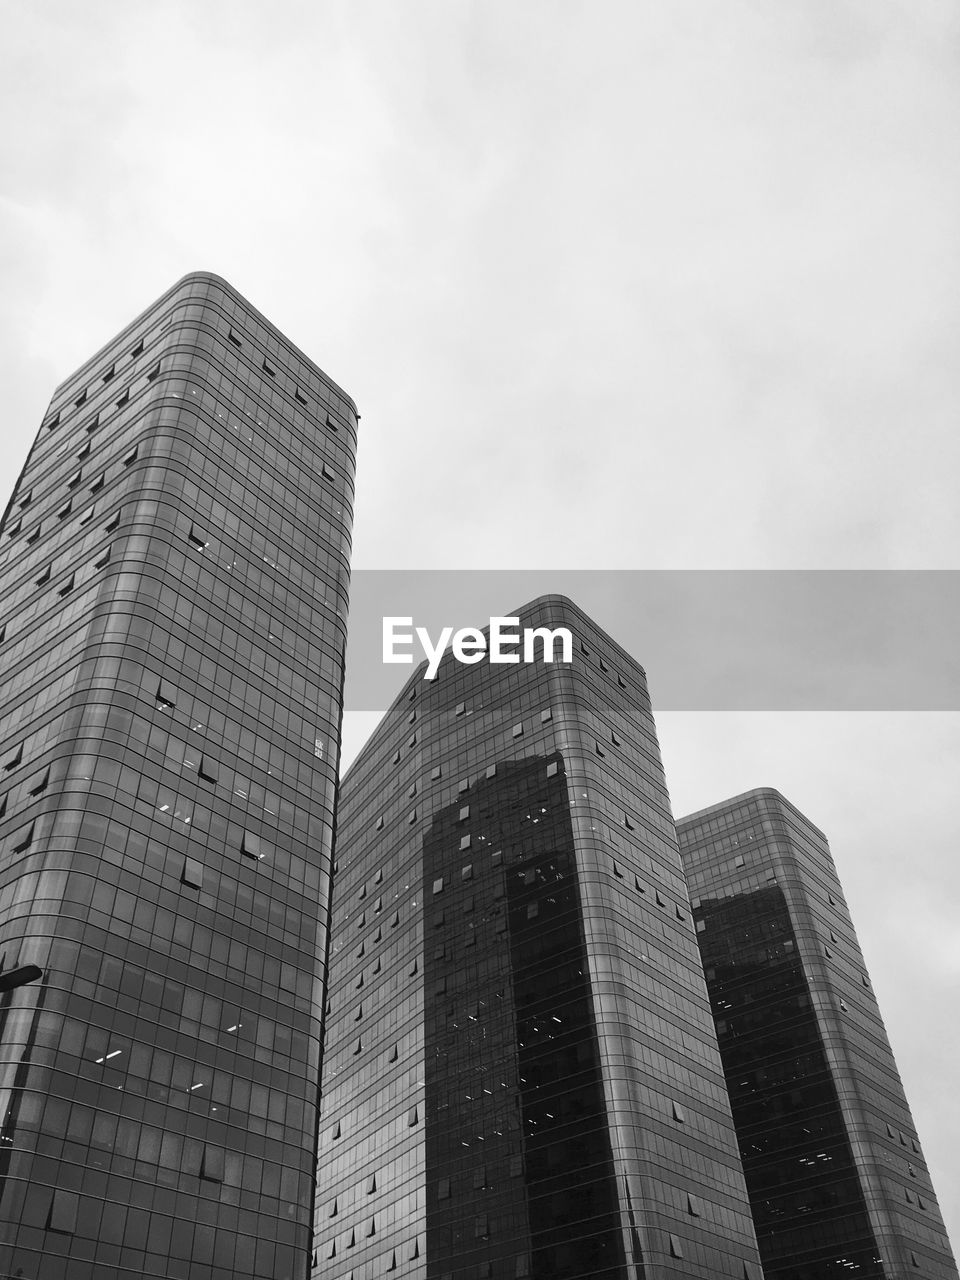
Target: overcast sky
{"type": "Point", "coordinates": [614, 285]}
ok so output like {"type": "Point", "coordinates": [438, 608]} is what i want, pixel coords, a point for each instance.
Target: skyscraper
{"type": "Point", "coordinates": [520, 1074]}
{"type": "Point", "coordinates": [833, 1164]}
{"type": "Point", "coordinates": [174, 595]}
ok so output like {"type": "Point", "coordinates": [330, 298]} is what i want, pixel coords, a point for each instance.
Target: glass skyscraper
{"type": "Point", "coordinates": [836, 1176]}
{"type": "Point", "coordinates": [521, 1076]}
{"type": "Point", "coordinates": [521, 1072]}
{"type": "Point", "coordinates": [173, 598]}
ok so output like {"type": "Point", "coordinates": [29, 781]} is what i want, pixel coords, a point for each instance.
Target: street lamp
{"type": "Point", "coordinates": [18, 977]}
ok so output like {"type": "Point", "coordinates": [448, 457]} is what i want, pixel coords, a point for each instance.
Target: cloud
{"type": "Point", "coordinates": [628, 285]}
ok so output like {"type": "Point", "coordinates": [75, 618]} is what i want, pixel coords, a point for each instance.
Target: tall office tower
{"type": "Point", "coordinates": [520, 1075]}
{"type": "Point", "coordinates": [174, 593]}
{"type": "Point", "coordinates": [833, 1165]}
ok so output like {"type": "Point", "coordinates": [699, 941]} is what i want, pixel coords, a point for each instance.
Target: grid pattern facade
{"type": "Point", "coordinates": [520, 1074]}
{"type": "Point", "coordinates": [837, 1179]}
{"type": "Point", "coordinates": [174, 585]}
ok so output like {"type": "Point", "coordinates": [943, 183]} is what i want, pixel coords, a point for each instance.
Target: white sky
{"type": "Point", "coordinates": [615, 285]}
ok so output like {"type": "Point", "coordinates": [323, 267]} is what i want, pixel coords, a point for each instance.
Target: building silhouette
{"type": "Point", "coordinates": [173, 596]}
{"type": "Point", "coordinates": [836, 1176]}
{"type": "Point", "coordinates": [520, 1073]}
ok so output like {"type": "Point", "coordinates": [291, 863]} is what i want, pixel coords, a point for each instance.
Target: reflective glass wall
{"type": "Point", "coordinates": [521, 1075]}
{"type": "Point", "coordinates": [174, 596]}
{"type": "Point", "coordinates": [833, 1164]}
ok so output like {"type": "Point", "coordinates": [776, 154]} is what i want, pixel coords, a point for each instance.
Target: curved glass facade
{"type": "Point", "coordinates": [521, 1075]}
{"type": "Point", "coordinates": [174, 587]}
{"type": "Point", "coordinates": [836, 1176]}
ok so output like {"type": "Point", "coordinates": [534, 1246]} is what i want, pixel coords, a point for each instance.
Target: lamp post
{"type": "Point", "coordinates": [19, 977]}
